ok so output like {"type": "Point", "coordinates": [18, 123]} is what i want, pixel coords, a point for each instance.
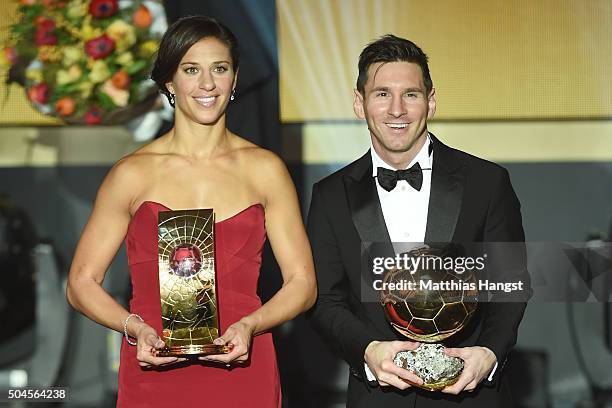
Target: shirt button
{"type": "Point", "coordinates": [403, 188]}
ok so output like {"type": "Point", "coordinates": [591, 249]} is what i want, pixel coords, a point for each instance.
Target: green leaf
{"type": "Point", "coordinates": [21, 29]}
{"type": "Point", "coordinates": [105, 101]}
{"type": "Point", "coordinates": [68, 88]}
{"type": "Point", "coordinates": [136, 66]}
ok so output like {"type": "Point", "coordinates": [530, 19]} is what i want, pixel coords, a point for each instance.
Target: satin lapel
{"type": "Point", "coordinates": [364, 204]}
{"type": "Point", "coordinates": [369, 222]}
{"type": "Point", "coordinates": [446, 194]}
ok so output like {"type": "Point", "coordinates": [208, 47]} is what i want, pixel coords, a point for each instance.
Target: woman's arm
{"type": "Point", "coordinates": [98, 245]}
{"type": "Point", "coordinates": [291, 249]}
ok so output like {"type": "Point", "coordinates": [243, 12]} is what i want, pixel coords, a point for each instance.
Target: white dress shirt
{"type": "Point", "coordinates": [405, 210]}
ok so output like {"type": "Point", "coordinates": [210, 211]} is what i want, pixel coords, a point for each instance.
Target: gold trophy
{"type": "Point", "coordinates": [429, 304]}
{"type": "Point", "coordinates": [187, 283]}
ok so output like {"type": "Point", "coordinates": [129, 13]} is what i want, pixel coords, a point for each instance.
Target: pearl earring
{"type": "Point", "coordinates": [233, 95]}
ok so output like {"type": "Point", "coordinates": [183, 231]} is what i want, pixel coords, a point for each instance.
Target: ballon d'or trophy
{"type": "Point", "coordinates": [187, 283]}
{"type": "Point", "coordinates": [438, 304]}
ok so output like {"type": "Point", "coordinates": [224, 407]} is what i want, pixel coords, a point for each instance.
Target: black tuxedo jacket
{"type": "Point", "coordinates": [471, 200]}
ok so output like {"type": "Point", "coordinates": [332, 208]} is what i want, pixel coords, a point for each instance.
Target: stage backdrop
{"type": "Point", "coordinates": [490, 59]}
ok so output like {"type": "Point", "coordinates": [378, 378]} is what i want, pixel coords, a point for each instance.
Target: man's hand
{"type": "Point", "coordinates": [479, 361]}
{"type": "Point", "coordinates": [379, 358]}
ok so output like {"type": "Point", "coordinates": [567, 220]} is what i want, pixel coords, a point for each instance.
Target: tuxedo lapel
{"type": "Point", "coordinates": [364, 204]}
{"type": "Point", "coordinates": [368, 219]}
{"type": "Point", "coordinates": [446, 194]}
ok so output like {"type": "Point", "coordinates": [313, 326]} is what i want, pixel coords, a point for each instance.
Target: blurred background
{"type": "Point", "coordinates": [523, 83]}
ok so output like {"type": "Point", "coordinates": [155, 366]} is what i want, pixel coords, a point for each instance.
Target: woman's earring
{"type": "Point", "coordinates": [233, 95]}
{"type": "Point", "coordinates": [171, 98]}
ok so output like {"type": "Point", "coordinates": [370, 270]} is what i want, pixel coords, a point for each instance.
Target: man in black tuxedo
{"type": "Point", "coordinates": [438, 195]}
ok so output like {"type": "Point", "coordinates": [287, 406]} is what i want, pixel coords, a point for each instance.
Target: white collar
{"type": "Point", "coordinates": [423, 157]}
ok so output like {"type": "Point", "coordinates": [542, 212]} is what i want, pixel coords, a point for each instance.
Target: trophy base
{"type": "Point", "coordinates": [433, 386]}
{"type": "Point", "coordinates": [193, 350]}
{"type": "Point", "coordinates": [428, 362]}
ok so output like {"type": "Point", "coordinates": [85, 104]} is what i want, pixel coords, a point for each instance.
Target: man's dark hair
{"type": "Point", "coordinates": [177, 40]}
{"type": "Point", "coordinates": [390, 48]}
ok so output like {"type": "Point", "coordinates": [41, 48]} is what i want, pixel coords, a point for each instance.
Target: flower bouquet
{"type": "Point", "coordinates": [85, 62]}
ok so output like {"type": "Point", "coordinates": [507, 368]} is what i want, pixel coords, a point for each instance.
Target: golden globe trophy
{"type": "Point", "coordinates": [187, 283]}
{"type": "Point", "coordinates": [429, 302]}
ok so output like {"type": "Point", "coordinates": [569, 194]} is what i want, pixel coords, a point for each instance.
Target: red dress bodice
{"type": "Point", "coordinates": [238, 245]}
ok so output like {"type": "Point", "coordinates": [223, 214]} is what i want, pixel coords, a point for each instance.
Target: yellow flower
{"type": "Point", "coordinates": [86, 87]}
{"type": "Point", "coordinates": [76, 9]}
{"type": "Point", "coordinates": [49, 53]}
{"type": "Point", "coordinates": [64, 77]}
{"type": "Point", "coordinates": [99, 72]}
{"type": "Point", "coordinates": [120, 97]}
{"type": "Point", "coordinates": [34, 74]}
{"type": "Point", "coordinates": [125, 59]}
{"type": "Point", "coordinates": [123, 34]}
{"type": "Point", "coordinates": [88, 32]}
{"type": "Point", "coordinates": [72, 55]}
{"type": "Point", "coordinates": [148, 48]}
{"type": "Point", "coordinates": [75, 72]}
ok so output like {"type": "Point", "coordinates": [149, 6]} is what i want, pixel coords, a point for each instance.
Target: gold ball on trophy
{"type": "Point", "coordinates": [438, 303]}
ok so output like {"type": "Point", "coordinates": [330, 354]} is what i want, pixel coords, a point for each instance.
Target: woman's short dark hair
{"type": "Point", "coordinates": [177, 40]}
{"type": "Point", "coordinates": [390, 48]}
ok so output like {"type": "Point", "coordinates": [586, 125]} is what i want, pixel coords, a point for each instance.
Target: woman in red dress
{"type": "Point", "coordinates": [199, 163]}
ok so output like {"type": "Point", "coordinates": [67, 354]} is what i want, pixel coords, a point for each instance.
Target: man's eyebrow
{"type": "Point", "coordinates": [380, 88]}
{"type": "Point", "coordinates": [387, 89]}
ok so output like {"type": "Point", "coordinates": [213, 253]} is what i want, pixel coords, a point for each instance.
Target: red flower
{"type": "Point", "coordinates": [103, 8]}
{"type": "Point", "coordinates": [39, 93]}
{"type": "Point", "coordinates": [45, 32]}
{"type": "Point", "coordinates": [94, 116]}
{"type": "Point", "coordinates": [100, 47]}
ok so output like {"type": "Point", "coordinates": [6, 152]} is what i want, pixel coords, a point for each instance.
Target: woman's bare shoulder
{"type": "Point", "coordinates": [130, 173]}
{"type": "Point", "coordinates": [143, 159]}
{"type": "Point", "coordinates": [256, 156]}
{"type": "Point", "coordinates": [123, 177]}
{"type": "Point", "coordinates": [265, 169]}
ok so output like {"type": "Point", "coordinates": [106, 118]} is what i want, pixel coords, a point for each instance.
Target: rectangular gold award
{"type": "Point", "coordinates": [187, 283]}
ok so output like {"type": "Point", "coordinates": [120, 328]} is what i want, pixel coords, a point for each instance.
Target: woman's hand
{"type": "Point", "coordinates": [147, 343]}
{"type": "Point", "coordinates": [238, 336]}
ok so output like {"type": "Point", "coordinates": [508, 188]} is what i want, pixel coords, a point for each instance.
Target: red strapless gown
{"type": "Point", "coordinates": [239, 242]}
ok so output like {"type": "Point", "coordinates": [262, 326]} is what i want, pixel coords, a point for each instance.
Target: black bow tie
{"type": "Point", "coordinates": [388, 178]}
